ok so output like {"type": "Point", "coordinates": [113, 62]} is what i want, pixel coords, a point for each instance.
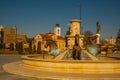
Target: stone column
{"type": "Point", "coordinates": [98, 38]}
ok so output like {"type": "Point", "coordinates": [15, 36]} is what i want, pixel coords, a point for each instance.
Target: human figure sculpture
{"type": "Point", "coordinates": [97, 27]}
{"type": "Point", "coordinates": [76, 49]}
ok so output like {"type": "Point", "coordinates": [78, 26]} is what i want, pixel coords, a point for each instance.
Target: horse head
{"type": "Point", "coordinates": [53, 47]}
{"type": "Point", "coordinates": [51, 43]}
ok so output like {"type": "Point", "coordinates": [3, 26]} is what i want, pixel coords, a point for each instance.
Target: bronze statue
{"type": "Point", "coordinates": [76, 48]}
{"type": "Point", "coordinates": [97, 27]}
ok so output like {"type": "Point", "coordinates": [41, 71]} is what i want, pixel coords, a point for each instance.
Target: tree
{"type": "Point", "coordinates": [30, 40]}
{"type": "Point", "coordinates": [103, 42]}
{"type": "Point", "coordinates": [87, 35]}
{"type": "Point", "coordinates": [39, 47]}
{"type": "Point", "coordinates": [30, 47]}
{"type": "Point", "coordinates": [2, 39]}
{"type": "Point", "coordinates": [17, 46]}
{"type": "Point", "coordinates": [118, 40]}
{"type": "Point", "coordinates": [11, 46]}
{"type": "Point", "coordinates": [20, 50]}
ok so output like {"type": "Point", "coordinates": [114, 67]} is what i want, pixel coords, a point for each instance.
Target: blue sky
{"type": "Point", "coordinates": [40, 16]}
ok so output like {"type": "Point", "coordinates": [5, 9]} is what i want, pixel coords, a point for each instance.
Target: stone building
{"type": "Point", "coordinates": [110, 40]}
{"type": "Point", "coordinates": [73, 30]}
{"type": "Point", "coordinates": [56, 37]}
{"type": "Point", "coordinates": [9, 35]}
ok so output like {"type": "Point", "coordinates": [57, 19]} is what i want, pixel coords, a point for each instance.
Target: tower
{"type": "Point", "coordinates": [73, 30]}
{"type": "Point", "coordinates": [74, 27]}
{"type": "Point", "coordinates": [57, 30]}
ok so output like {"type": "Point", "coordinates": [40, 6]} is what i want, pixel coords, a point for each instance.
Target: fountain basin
{"type": "Point", "coordinates": [71, 66]}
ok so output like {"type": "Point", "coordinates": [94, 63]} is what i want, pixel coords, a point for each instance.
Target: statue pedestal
{"type": "Point", "coordinates": [98, 38]}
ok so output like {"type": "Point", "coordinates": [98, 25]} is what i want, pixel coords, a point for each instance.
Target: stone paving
{"type": "Point", "coordinates": [4, 59]}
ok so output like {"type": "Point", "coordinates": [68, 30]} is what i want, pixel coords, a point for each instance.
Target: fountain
{"type": "Point", "coordinates": [77, 61]}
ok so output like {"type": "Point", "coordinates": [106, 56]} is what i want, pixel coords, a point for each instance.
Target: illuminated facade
{"type": "Point", "coordinates": [9, 35]}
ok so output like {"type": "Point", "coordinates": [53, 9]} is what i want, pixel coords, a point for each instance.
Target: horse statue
{"type": "Point", "coordinates": [53, 47]}
{"type": "Point", "coordinates": [76, 49]}
{"type": "Point", "coordinates": [92, 47]}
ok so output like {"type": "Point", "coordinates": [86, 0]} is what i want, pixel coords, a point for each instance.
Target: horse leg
{"type": "Point", "coordinates": [73, 55]}
{"type": "Point", "coordinates": [77, 55]}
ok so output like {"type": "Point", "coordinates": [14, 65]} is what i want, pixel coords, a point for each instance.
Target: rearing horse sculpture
{"type": "Point", "coordinates": [91, 46]}
{"type": "Point", "coordinates": [76, 48]}
{"type": "Point", "coordinates": [53, 47]}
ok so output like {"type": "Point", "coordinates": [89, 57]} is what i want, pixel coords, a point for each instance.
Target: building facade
{"type": "Point", "coordinates": [42, 38]}
{"type": "Point", "coordinates": [110, 40]}
{"type": "Point", "coordinates": [9, 35]}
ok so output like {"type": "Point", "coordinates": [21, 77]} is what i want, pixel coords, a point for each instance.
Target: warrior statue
{"type": "Point", "coordinates": [76, 48]}
{"type": "Point", "coordinates": [97, 27]}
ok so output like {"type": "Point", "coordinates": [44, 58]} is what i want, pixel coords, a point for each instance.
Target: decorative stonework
{"type": "Point", "coordinates": [73, 30]}
{"type": "Point", "coordinates": [98, 38]}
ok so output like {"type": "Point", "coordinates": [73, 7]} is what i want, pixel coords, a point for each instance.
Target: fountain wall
{"type": "Point", "coordinates": [72, 66]}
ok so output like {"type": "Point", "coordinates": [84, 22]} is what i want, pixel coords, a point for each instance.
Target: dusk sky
{"type": "Point", "coordinates": [40, 16]}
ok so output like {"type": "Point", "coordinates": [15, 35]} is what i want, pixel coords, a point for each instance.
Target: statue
{"type": "Point", "coordinates": [97, 27]}
{"type": "Point", "coordinates": [92, 47]}
{"type": "Point", "coordinates": [76, 48]}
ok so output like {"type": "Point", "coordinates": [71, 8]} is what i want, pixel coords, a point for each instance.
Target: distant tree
{"type": "Point", "coordinates": [11, 46]}
{"type": "Point", "coordinates": [20, 50]}
{"type": "Point", "coordinates": [39, 47]}
{"type": "Point", "coordinates": [17, 46]}
{"type": "Point", "coordinates": [1, 46]}
{"type": "Point", "coordinates": [103, 42]}
{"type": "Point", "coordinates": [87, 35]}
{"type": "Point", "coordinates": [118, 40]}
{"type": "Point", "coordinates": [2, 39]}
{"type": "Point", "coordinates": [30, 47]}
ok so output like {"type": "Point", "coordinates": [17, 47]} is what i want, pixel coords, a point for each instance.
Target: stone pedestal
{"type": "Point", "coordinates": [98, 38]}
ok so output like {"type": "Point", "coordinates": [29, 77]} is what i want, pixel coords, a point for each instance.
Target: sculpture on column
{"type": "Point", "coordinates": [98, 33]}
{"type": "Point", "coordinates": [76, 49]}
{"type": "Point", "coordinates": [93, 47]}
{"type": "Point", "coordinates": [97, 27]}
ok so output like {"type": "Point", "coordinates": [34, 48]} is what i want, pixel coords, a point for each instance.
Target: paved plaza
{"type": "Point", "coordinates": [4, 59]}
